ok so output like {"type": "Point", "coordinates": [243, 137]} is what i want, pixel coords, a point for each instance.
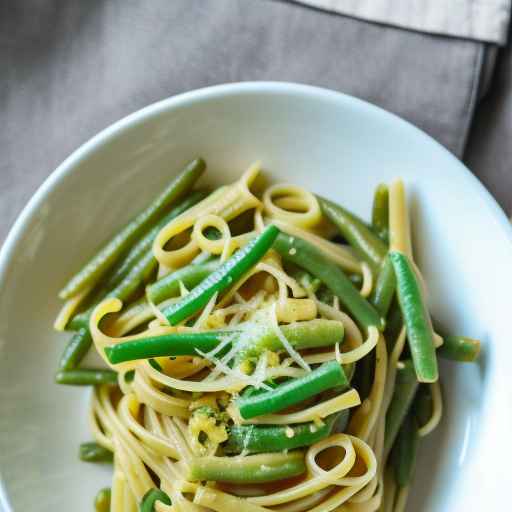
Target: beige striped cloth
{"type": "Point", "coordinates": [479, 20]}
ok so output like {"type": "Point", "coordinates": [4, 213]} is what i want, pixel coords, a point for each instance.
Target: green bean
{"type": "Point", "coordinates": [174, 344]}
{"type": "Point", "coordinates": [227, 274]}
{"type": "Point", "coordinates": [406, 385]}
{"type": "Point", "coordinates": [169, 285]}
{"type": "Point", "coordinates": [422, 405]}
{"type": "Point", "coordinates": [403, 455]}
{"type": "Point", "coordinates": [86, 377]}
{"type": "Point", "coordinates": [149, 499]}
{"type": "Point", "coordinates": [102, 500]}
{"type": "Point", "coordinates": [93, 452]}
{"type": "Point", "coordinates": [417, 320]}
{"type": "Point", "coordinates": [76, 349]}
{"type": "Point", "coordinates": [367, 245]}
{"type": "Point", "coordinates": [293, 391]}
{"type": "Point", "coordinates": [124, 291]}
{"type": "Point", "coordinates": [380, 212]}
{"type": "Point", "coordinates": [103, 261]}
{"type": "Point", "coordinates": [317, 333]}
{"type": "Point", "coordinates": [144, 244]}
{"type": "Point", "coordinates": [253, 339]}
{"type": "Point", "coordinates": [394, 324]}
{"type": "Point", "coordinates": [459, 348]}
{"type": "Point", "coordinates": [251, 469]}
{"type": "Point", "coordinates": [276, 438]}
{"type": "Point", "coordinates": [305, 255]}
{"type": "Point", "coordinates": [341, 421]}
{"type": "Point", "coordinates": [385, 287]}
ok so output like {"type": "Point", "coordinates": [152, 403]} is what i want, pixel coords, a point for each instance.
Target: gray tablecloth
{"type": "Point", "coordinates": [69, 68]}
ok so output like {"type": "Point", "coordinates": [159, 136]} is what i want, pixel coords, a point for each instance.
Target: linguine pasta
{"type": "Point", "coordinates": [171, 421]}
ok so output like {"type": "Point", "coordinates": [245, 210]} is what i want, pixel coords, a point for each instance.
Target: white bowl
{"type": "Point", "coordinates": [335, 145]}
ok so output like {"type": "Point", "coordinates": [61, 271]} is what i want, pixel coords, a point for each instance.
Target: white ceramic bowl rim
{"type": "Point", "coordinates": [103, 137]}
{"type": "Point", "coordinates": [218, 92]}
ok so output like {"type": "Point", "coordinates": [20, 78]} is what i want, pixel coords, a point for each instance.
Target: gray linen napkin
{"type": "Point", "coordinates": [70, 68]}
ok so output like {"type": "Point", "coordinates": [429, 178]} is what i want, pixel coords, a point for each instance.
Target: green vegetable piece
{"type": "Point", "coordinates": [169, 285]}
{"type": "Point", "coordinates": [93, 452]}
{"type": "Point", "coordinates": [417, 320]}
{"type": "Point", "coordinates": [103, 261]}
{"type": "Point", "coordinates": [76, 349]}
{"type": "Point", "coordinates": [293, 391]}
{"type": "Point", "coordinates": [459, 348]}
{"type": "Point", "coordinates": [274, 438]}
{"type": "Point", "coordinates": [380, 212]}
{"type": "Point", "coordinates": [403, 455]}
{"type": "Point", "coordinates": [227, 274]}
{"type": "Point", "coordinates": [384, 291]}
{"type": "Point", "coordinates": [305, 255]}
{"type": "Point", "coordinates": [317, 333]}
{"type": "Point", "coordinates": [251, 469]}
{"type": "Point", "coordinates": [86, 377]}
{"type": "Point", "coordinates": [133, 271]}
{"type": "Point", "coordinates": [144, 244]}
{"type": "Point", "coordinates": [422, 405]}
{"type": "Point", "coordinates": [174, 344]}
{"type": "Point", "coordinates": [254, 341]}
{"type": "Point", "coordinates": [367, 245]}
{"type": "Point", "coordinates": [394, 324]}
{"type": "Point", "coordinates": [149, 499]}
{"type": "Point", "coordinates": [102, 500]}
{"type": "Point", "coordinates": [406, 385]}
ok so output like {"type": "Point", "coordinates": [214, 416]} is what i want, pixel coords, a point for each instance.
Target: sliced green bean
{"type": "Point", "coordinates": [253, 339]}
{"type": "Point", "coordinates": [276, 438]}
{"type": "Point", "coordinates": [124, 291]}
{"type": "Point", "coordinates": [86, 377]}
{"type": "Point", "coordinates": [169, 285]}
{"type": "Point", "coordinates": [367, 245]}
{"type": "Point", "coordinates": [423, 405]}
{"type": "Point", "coordinates": [317, 333]}
{"type": "Point", "coordinates": [149, 499]}
{"type": "Point", "coordinates": [380, 212]}
{"type": "Point", "coordinates": [293, 391]}
{"type": "Point", "coordinates": [305, 255]}
{"type": "Point", "coordinates": [403, 455]}
{"type": "Point", "coordinates": [251, 469]}
{"type": "Point", "coordinates": [394, 324]}
{"type": "Point", "coordinates": [420, 334]}
{"type": "Point", "coordinates": [93, 452]}
{"type": "Point", "coordinates": [226, 275]}
{"type": "Point", "coordinates": [76, 349]}
{"type": "Point", "coordinates": [102, 500]}
{"type": "Point", "coordinates": [385, 286]}
{"type": "Point", "coordinates": [341, 421]}
{"type": "Point", "coordinates": [406, 385]}
{"type": "Point", "coordinates": [174, 344]}
{"type": "Point", "coordinates": [103, 261]}
{"type": "Point", "coordinates": [459, 348]}
{"type": "Point", "coordinates": [144, 244]}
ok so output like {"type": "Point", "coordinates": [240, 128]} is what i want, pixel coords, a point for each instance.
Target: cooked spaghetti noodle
{"type": "Point", "coordinates": [272, 391]}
